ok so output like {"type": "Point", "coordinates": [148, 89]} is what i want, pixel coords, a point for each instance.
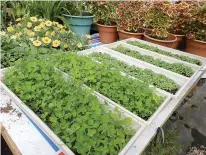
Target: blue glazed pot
{"type": "Point", "coordinates": [80, 25]}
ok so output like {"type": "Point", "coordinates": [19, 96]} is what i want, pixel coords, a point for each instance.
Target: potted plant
{"type": "Point", "coordinates": [196, 36]}
{"type": "Point", "coordinates": [131, 18]}
{"type": "Point", "coordinates": [158, 18]}
{"type": "Point", "coordinates": [80, 21]}
{"type": "Point", "coordinates": [105, 15]}
{"type": "Point", "coordinates": [181, 14]}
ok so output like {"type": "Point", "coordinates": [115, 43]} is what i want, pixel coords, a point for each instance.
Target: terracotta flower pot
{"type": "Point", "coordinates": [168, 43]}
{"type": "Point", "coordinates": [125, 35]}
{"type": "Point", "coordinates": [180, 43]}
{"type": "Point", "coordinates": [196, 47]}
{"type": "Point", "coordinates": [107, 34]}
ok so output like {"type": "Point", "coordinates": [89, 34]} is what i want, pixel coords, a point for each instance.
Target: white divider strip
{"type": "Point", "coordinates": [37, 120]}
{"type": "Point", "coordinates": [155, 55]}
{"type": "Point", "coordinates": [202, 59]}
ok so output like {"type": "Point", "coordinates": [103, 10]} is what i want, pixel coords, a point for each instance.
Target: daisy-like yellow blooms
{"type": "Point", "coordinates": [60, 26]}
{"type": "Point", "coordinates": [13, 37]}
{"type": "Point", "coordinates": [10, 29]}
{"type": "Point", "coordinates": [55, 43]}
{"type": "Point", "coordinates": [48, 23]}
{"type": "Point", "coordinates": [46, 40]}
{"type": "Point", "coordinates": [18, 34]}
{"type": "Point", "coordinates": [53, 33]}
{"type": "Point", "coordinates": [42, 24]}
{"type": "Point", "coordinates": [63, 30]}
{"type": "Point", "coordinates": [55, 23]}
{"type": "Point", "coordinates": [33, 19]}
{"type": "Point", "coordinates": [18, 19]}
{"type": "Point", "coordinates": [79, 45]}
{"type": "Point", "coordinates": [31, 39]}
{"type": "Point", "coordinates": [29, 24]}
{"type": "Point", "coordinates": [31, 34]}
{"type": "Point", "coordinates": [2, 33]}
{"type": "Point", "coordinates": [40, 20]}
{"type": "Point", "coordinates": [37, 28]}
{"type": "Point", "coordinates": [66, 46]}
{"type": "Point", "coordinates": [19, 24]}
{"type": "Point", "coordinates": [87, 36]}
{"type": "Point", "coordinates": [37, 43]}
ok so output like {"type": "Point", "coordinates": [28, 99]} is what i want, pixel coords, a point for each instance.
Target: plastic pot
{"type": "Point", "coordinates": [107, 34]}
{"type": "Point", "coordinates": [171, 42]}
{"type": "Point", "coordinates": [125, 35]}
{"type": "Point", "coordinates": [80, 25]}
{"type": "Point", "coordinates": [196, 47]}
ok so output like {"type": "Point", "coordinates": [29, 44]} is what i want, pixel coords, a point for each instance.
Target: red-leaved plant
{"type": "Point", "coordinates": [131, 15]}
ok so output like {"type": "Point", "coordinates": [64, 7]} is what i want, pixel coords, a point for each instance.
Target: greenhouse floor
{"type": "Point", "coordinates": [191, 123]}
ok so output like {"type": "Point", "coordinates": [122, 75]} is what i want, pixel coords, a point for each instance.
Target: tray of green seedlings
{"type": "Point", "coordinates": [78, 120]}
{"type": "Point", "coordinates": [131, 95]}
{"type": "Point", "coordinates": [167, 52]}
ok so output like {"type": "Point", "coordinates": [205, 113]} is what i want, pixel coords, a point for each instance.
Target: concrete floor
{"type": "Point", "coordinates": [191, 121]}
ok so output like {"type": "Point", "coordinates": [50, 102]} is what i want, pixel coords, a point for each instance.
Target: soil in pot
{"type": "Point", "coordinates": [169, 42]}
{"type": "Point", "coordinates": [125, 34]}
{"type": "Point", "coordinates": [196, 47]}
{"type": "Point", "coordinates": [107, 34]}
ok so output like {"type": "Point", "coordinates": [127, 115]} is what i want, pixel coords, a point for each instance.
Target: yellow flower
{"type": "Point", "coordinates": [10, 29]}
{"type": "Point", "coordinates": [42, 24]}
{"type": "Point", "coordinates": [53, 33]}
{"type": "Point", "coordinates": [46, 40]}
{"type": "Point", "coordinates": [13, 37]}
{"type": "Point", "coordinates": [48, 23]}
{"type": "Point", "coordinates": [33, 19]}
{"type": "Point", "coordinates": [60, 26]}
{"type": "Point", "coordinates": [69, 31]}
{"type": "Point", "coordinates": [37, 43]}
{"type": "Point", "coordinates": [37, 28]}
{"type": "Point", "coordinates": [2, 33]}
{"type": "Point", "coordinates": [79, 45]}
{"type": "Point", "coordinates": [87, 36]}
{"type": "Point", "coordinates": [29, 24]}
{"type": "Point", "coordinates": [31, 39]}
{"type": "Point", "coordinates": [55, 23]}
{"type": "Point", "coordinates": [63, 30]}
{"type": "Point", "coordinates": [55, 43]}
{"type": "Point", "coordinates": [31, 34]}
{"type": "Point", "coordinates": [40, 20]}
{"type": "Point", "coordinates": [66, 46]}
{"type": "Point", "coordinates": [18, 19]}
{"type": "Point", "coordinates": [19, 24]}
{"type": "Point", "coordinates": [18, 34]}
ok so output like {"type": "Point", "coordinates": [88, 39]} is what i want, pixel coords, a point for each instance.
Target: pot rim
{"type": "Point", "coordinates": [200, 41]}
{"type": "Point", "coordinates": [163, 41]}
{"type": "Point", "coordinates": [112, 26]}
{"type": "Point", "coordinates": [78, 16]}
{"type": "Point", "coordinates": [123, 31]}
{"type": "Point", "coordinates": [179, 35]}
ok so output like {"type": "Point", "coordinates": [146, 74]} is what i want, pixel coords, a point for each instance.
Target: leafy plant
{"type": "Point", "coordinates": [131, 15]}
{"type": "Point", "coordinates": [104, 11]}
{"type": "Point", "coordinates": [197, 25]}
{"type": "Point", "coordinates": [145, 75]}
{"type": "Point", "coordinates": [160, 51]}
{"type": "Point", "coordinates": [132, 94]}
{"type": "Point", "coordinates": [76, 116]}
{"type": "Point", "coordinates": [158, 18]}
{"type": "Point", "coordinates": [179, 68]}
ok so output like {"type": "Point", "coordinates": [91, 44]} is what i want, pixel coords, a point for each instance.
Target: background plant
{"type": "Point", "coordinates": [158, 19]}
{"type": "Point", "coordinates": [131, 15]}
{"type": "Point", "coordinates": [84, 124]}
{"type": "Point", "coordinates": [197, 24]}
{"type": "Point", "coordinates": [104, 11]}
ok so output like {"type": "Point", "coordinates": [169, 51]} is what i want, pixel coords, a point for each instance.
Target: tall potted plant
{"type": "Point", "coordinates": [158, 18]}
{"type": "Point", "coordinates": [105, 15]}
{"type": "Point", "coordinates": [131, 17]}
{"type": "Point", "coordinates": [196, 36]}
{"type": "Point", "coordinates": [181, 14]}
{"type": "Point", "coordinates": [79, 20]}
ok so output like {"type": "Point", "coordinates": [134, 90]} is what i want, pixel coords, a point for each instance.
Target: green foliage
{"type": "Point", "coordinates": [76, 116]}
{"type": "Point", "coordinates": [163, 52]}
{"type": "Point", "coordinates": [179, 68]}
{"type": "Point", "coordinates": [145, 75]}
{"type": "Point", "coordinates": [170, 147]}
{"type": "Point", "coordinates": [132, 94]}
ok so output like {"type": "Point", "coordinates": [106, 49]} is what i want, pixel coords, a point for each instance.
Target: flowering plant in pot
{"type": "Point", "coordinates": [106, 18]}
{"type": "Point", "coordinates": [131, 18]}
{"type": "Point", "coordinates": [158, 19]}
{"type": "Point", "coordinates": [196, 36]}
{"type": "Point", "coordinates": [80, 20]}
{"type": "Point", "coordinates": [181, 14]}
